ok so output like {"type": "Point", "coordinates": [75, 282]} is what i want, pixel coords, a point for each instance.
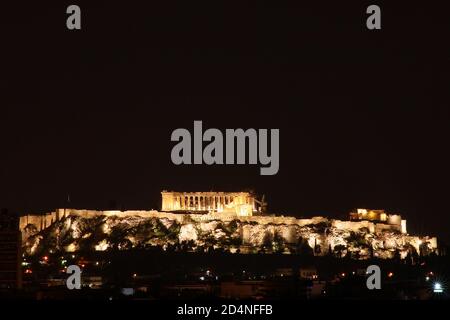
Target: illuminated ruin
{"type": "Point", "coordinates": [244, 204]}
{"type": "Point", "coordinates": [233, 221]}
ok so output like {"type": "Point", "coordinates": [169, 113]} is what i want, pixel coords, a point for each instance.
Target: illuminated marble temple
{"type": "Point", "coordinates": [242, 203]}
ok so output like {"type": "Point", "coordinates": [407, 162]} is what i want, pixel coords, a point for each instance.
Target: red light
{"type": "Point", "coordinates": [390, 274]}
{"type": "Point", "coordinates": [45, 258]}
{"type": "Point", "coordinates": [29, 271]}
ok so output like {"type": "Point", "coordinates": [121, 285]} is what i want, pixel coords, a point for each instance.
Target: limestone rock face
{"type": "Point", "coordinates": [187, 233]}
{"type": "Point", "coordinates": [317, 236]}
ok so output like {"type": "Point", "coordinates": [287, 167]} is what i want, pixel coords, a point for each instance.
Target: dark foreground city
{"type": "Point", "coordinates": [150, 275]}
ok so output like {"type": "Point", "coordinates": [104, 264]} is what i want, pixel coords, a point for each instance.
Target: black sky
{"type": "Point", "coordinates": [363, 115]}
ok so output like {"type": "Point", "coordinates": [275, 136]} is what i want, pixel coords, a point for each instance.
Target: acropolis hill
{"type": "Point", "coordinates": [230, 221]}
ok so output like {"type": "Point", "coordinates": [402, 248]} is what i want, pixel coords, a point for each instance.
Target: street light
{"type": "Point", "coordinates": [437, 288]}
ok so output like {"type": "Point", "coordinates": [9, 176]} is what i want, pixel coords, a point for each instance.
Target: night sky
{"type": "Point", "coordinates": [363, 115]}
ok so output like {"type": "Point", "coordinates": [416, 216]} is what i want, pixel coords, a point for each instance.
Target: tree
{"type": "Point", "coordinates": [338, 250]}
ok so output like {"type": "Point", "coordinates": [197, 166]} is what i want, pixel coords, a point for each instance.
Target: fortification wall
{"type": "Point", "coordinates": [273, 219]}
{"type": "Point", "coordinates": [313, 220]}
{"type": "Point", "coordinates": [380, 227]}
{"type": "Point", "coordinates": [39, 221]}
{"type": "Point", "coordinates": [42, 221]}
{"type": "Point", "coordinates": [394, 219]}
{"type": "Point", "coordinates": [122, 214]}
{"type": "Point", "coordinates": [353, 225]}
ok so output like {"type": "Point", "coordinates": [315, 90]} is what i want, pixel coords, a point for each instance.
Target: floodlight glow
{"type": "Point", "coordinates": [437, 288]}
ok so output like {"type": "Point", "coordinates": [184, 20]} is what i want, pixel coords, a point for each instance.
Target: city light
{"type": "Point", "coordinates": [437, 288]}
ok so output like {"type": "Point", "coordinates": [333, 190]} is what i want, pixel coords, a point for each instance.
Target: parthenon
{"type": "Point", "coordinates": [240, 202]}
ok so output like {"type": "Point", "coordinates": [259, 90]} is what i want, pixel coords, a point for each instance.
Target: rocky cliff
{"type": "Point", "coordinates": [317, 236]}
